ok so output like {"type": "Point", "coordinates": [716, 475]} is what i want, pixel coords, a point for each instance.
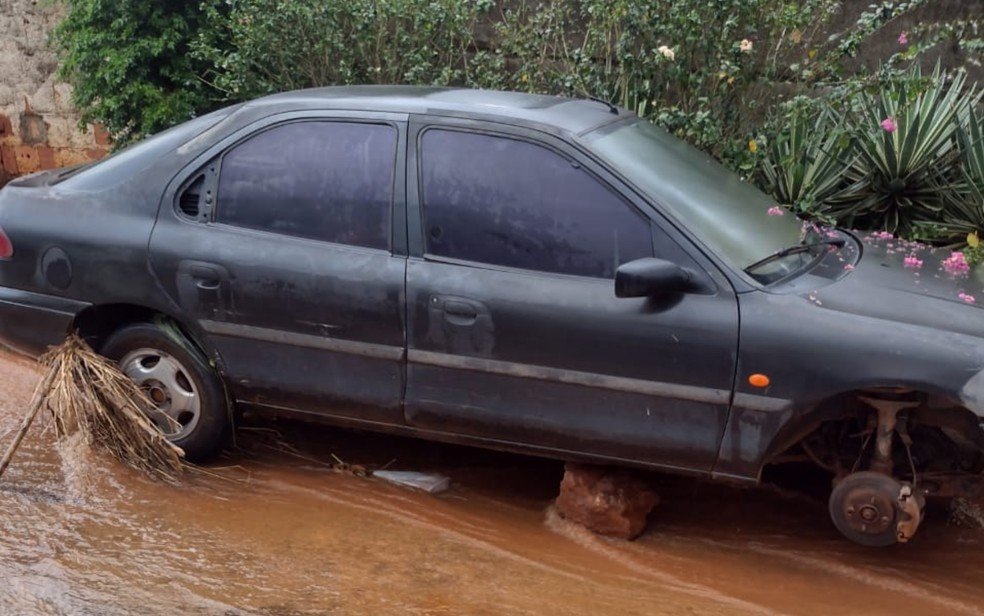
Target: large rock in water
{"type": "Point", "coordinates": [608, 502]}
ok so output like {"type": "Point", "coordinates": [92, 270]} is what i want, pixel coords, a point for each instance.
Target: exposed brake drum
{"type": "Point", "coordinates": [875, 509]}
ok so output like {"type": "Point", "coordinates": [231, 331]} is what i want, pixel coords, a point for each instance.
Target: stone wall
{"type": "Point", "coordinates": [39, 129]}
{"type": "Point", "coordinates": [885, 42]}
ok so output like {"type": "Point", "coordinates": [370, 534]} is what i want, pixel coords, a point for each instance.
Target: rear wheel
{"type": "Point", "coordinates": [191, 404]}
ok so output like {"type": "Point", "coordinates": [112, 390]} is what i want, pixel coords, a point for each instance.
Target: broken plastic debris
{"type": "Point", "coordinates": [432, 483]}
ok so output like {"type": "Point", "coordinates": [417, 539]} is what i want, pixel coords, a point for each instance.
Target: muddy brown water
{"type": "Point", "coordinates": [80, 535]}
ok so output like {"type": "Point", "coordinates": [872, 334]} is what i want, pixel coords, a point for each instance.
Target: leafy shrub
{"type": "Point", "coordinates": [756, 83]}
{"type": "Point", "coordinates": [964, 208]}
{"type": "Point", "coordinates": [807, 160]}
{"type": "Point", "coordinates": [701, 69]}
{"type": "Point", "coordinates": [260, 46]}
{"type": "Point", "coordinates": [905, 158]}
{"type": "Point", "coordinates": [698, 68]}
{"type": "Point", "coordinates": [129, 62]}
{"type": "Point", "coordinates": [905, 138]}
{"type": "Point", "coordinates": [708, 70]}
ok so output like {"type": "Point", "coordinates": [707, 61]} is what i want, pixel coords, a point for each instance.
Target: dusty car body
{"type": "Point", "coordinates": [524, 272]}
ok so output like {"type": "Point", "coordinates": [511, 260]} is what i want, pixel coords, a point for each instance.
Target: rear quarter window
{"type": "Point", "coordinates": [131, 160]}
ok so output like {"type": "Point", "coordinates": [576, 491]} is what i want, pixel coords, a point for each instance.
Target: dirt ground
{"type": "Point", "coordinates": [276, 534]}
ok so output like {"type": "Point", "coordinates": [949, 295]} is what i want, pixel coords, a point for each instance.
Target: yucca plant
{"type": "Point", "coordinates": [963, 213]}
{"type": "Point", "coordinates": [806, 162]}
{"type": "Point", "coordinates": [905, 140]}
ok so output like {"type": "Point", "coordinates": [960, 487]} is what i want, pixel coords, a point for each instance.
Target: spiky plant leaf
{"type": "Point", "coordinates": [806, 162]}
{"type": "Point", "coordinates": [963, 211]}
{"type": "Point", "coordinates": [902, 174]}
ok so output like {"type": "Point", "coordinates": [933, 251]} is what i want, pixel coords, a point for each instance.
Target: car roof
{"type": "Point", "coordinates": [564, 114]}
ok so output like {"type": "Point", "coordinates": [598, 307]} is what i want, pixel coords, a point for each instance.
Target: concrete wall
{"type": "Point", "coordinates": [38, 126]}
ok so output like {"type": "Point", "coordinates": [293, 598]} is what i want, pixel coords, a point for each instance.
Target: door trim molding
{"type": "Point", "coordinates": [277, 336]}
{"type": "Point", "coordinates": [769, 404]}
{"type": "Point", "coordinates": [572, 377]}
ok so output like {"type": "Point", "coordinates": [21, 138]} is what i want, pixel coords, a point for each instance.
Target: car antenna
{"type": "Point", "coordinates": [611, 106]}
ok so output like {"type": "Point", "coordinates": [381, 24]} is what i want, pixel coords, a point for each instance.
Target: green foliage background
{"type": "Point", "coordinates": [130, 63]}
{"type": "Point", "coordinates": [762, 85]}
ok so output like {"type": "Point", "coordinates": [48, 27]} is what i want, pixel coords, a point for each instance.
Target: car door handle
{"type": "Point", "coordinates": [205, 277]}
{"type": "Point", "coordinates": [459, 312]}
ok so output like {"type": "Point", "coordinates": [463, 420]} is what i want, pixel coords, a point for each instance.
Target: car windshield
{"type": "Point", "coordinates": [731, 217]}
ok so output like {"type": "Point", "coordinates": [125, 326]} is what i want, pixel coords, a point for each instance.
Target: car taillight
{"type": "Point", "coordinates": [6, 247]}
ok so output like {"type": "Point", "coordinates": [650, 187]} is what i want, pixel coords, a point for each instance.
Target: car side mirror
{"type": "Point", "coordinates": [650, 276]}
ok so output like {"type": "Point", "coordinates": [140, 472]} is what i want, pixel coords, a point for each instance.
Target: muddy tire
{"type": "Point", "coordinates": [191, 400]}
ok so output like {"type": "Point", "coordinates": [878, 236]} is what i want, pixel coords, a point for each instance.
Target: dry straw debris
{"type": "Point", "coordinates": [86, 394]}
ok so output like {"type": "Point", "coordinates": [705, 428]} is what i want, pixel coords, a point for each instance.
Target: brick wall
{"type": "Point", "coordinates": [39, 129]}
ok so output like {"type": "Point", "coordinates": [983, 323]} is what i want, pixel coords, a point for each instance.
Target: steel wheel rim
{"type": "Point", "coordinates": [170, 386]}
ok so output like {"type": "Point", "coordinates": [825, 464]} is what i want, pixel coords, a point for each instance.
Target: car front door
{"type": "Point", "coordinates": [280, 248]}
{"type": "Point", "coordinates": [515, 333]}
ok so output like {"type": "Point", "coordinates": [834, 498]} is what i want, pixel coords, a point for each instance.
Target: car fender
{"type": "Point", "coordinates": [811, 354]}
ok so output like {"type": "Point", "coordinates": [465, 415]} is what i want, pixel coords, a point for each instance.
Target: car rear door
{"type": "Point", "coordinates": [515, 334]}
{"type": "Point", "coordinates": [279, 246]}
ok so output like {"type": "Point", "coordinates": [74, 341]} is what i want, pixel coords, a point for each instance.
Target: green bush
{"type": "Point", "coordinates": [963, 210]}
{"type": "Point", "coordinates": [129, 62]}
{"type": "Point", "coordinates": [758, 84]}
{"type": "Point", "coordinates": [256, 47]}
{"type": "Point", "coordinates": [700, 68]}
{"type": "Point", "coordinates": [708, 70]}
{"type": "Point", "coordinates": [807, 159]}
{"type": "Point", "coordinates": [905, 137]}
{"type": "Point", "coordinates": [904, 156]}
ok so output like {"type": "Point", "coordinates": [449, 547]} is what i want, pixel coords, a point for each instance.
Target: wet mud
{"type": "Point", "coordinates": [277, 533]}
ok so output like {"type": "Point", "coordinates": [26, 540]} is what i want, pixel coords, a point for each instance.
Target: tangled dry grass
{"type": "Point", "coordinates": [86, 394]}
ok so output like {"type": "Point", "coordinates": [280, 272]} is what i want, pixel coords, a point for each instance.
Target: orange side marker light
{"type": "Point", "coordinates": [758, 380]}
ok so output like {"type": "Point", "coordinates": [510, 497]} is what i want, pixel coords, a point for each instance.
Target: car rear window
{"type": "Point", "coordinates": [508, 202]}
{"type": "Point", "coordinates": [328, 181]}
{"type": "Point", "coordinates": [127, 162]}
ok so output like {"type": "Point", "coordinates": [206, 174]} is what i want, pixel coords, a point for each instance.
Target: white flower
{"type": "Point", "coordinates": [666, 52]}
{"type": "Point", "coordinates": [745, 46]}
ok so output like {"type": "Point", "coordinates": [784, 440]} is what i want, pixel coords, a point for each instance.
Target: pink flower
{"type": "Point", "coordinates": [889, 125]}
{"type": "Point", "coordinates": [775, 210]}
{"type": "Point", "coordinates": [967, 298]}
{"type": "Point", "coordinates": [956, 264]}
{"type": "Point", "coordinates": [913, 262]}
{"type": "Point", "coordinates": [904, 38]}
{"type": "Point", "coordinates": [882, 235]}
{"type": "Point", "coordinates": [849, 267]}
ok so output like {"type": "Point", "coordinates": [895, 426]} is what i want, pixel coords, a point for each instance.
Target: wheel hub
{"type": "Point", "coordinates": [169, 386]}
{"type": "Point", "coordinates": [867, 507]}
{"type": "Point", "coordinates": [869, 510]}
{"type": "Point", "coordinates": [157, 394]}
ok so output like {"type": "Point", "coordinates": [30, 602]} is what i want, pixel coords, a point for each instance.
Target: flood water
{"type": "Point", "coordinates": [277, 534]}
